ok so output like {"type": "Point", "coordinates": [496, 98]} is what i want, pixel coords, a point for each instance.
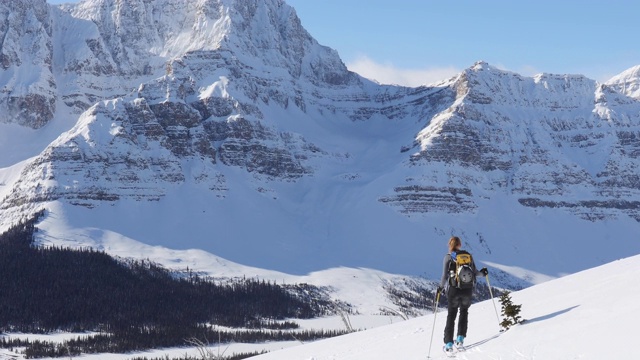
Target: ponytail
{"type": "Point", "coordinates": [454, 243]}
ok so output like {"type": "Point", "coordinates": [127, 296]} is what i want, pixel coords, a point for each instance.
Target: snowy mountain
{"type": "Point", "coordinates": [627, 82]}
{"type": "Point", "coordinates": [150, 128]}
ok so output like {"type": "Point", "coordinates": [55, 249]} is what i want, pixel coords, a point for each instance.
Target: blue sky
{"type": "Point", "coordinates": [413, 42]}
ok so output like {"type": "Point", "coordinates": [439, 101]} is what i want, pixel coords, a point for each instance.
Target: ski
{"type": "Point", "coordinates": [459, 347]}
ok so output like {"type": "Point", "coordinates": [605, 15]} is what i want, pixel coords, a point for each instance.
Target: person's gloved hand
{"type": "Point", "coordinates": [440, 290]}
{"type": "Point", "coordinates": [484, 271]}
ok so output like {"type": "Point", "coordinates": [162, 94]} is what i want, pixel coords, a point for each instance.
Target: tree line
{"type": "Point", "coordinates": [152, 338]}
{"type": "Point", "coordinates": [134, 305]}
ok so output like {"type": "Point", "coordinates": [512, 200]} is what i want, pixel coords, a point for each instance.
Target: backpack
{"type": "Point", "coordinates": [464, 276]}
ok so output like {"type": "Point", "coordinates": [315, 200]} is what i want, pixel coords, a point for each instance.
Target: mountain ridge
{"type": "Point", "coordinates": [273, 145]}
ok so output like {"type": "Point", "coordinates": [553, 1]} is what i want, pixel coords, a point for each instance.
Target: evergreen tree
{"type": "Point", "coordinates": [510, 311]}
{"type": "Point", "coordinates": [136, 304]}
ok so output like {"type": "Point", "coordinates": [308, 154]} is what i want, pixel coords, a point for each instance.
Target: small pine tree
{"type": "Point", "coordinates": [510, 311]}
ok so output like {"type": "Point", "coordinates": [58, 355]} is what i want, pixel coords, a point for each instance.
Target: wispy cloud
{"type": "Point", "coordinates": [388, 73]}
{"type": "Point", "coordinates": [528, 70]}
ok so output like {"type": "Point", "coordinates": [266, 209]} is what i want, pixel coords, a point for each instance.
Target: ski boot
{"type": "Point", "coordinates": [448, 349]}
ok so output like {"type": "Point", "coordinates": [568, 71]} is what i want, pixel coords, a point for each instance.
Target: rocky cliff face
{"type": "Point", "coordinates": [235, 58]}
{"type": "Point", "coordinates": [28, 86]}
{"type": "Point", "coordinates": [539, 139]}
{"type": "Point", "coordinates": [235, 101]}
{"type": "Point", "coordinates": [101, 49]}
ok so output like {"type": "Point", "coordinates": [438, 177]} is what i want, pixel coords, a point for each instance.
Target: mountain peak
{"type": "Point", "coordinates": [271, 31]}
{"type": "Point", "coordinates": [128, 43]}
{"type": "Point", "coordinates": [486, 70]}
{"type": "Point", "coordinates": [265, 32]}
{"type": "Point", "coordinates": [481, 65]}
{"type": "Point", "coordinates": [627, 82]}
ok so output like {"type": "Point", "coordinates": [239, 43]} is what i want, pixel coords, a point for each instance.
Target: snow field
{"type": "Point", "coordinates": [588, 315]}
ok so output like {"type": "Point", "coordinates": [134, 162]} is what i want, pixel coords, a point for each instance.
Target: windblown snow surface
{"type": "Point", "coordinates": [588, 315]}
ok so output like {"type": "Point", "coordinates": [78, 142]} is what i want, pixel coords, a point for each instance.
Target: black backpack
{"type": "Point", "coordinates": [463, 276]}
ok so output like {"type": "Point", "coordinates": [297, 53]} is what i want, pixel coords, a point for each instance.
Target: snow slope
{"type": "Point", "coordinates": [580, 316]}
{"type": "Point", "coordinates": [369, 298]}
{"type": "Point", "coordinates": [627, 82]}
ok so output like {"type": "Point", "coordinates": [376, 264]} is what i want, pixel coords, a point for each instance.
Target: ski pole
{"type": "Point", "coordinates": [435, 312]}
{"type": "Point", "coordinates": [492, 300]}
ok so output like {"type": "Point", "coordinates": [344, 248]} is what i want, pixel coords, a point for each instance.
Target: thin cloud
{"type": "Point", "coordinates": [389, 74]}
{"type": "Point", "coordinates": [529, 70]}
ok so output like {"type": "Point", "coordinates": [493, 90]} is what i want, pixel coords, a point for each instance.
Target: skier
{"type": "Point", "coordinates": [458, 295]}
